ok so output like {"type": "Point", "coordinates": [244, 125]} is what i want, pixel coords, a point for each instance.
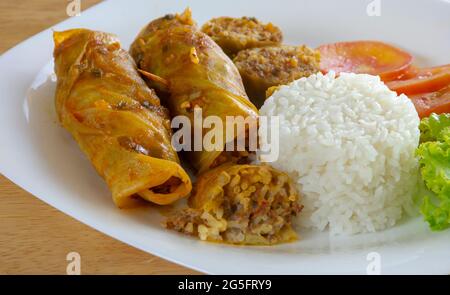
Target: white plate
{"type": "Point", "coordinates": [42, 158]}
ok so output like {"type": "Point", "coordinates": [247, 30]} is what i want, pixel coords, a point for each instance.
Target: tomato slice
{"type": "Point", "coordinates": [365, 57]}
{"type": "Point", "coordinates": [422, 81]}
{"type": "Point", "coordinates": [433, 102]}
{"type": "Point", "coordinates": [409, 73]}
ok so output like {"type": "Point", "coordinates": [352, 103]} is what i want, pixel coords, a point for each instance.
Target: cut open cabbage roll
{"type": "Point", "coordinates": [192, 72]}
{"type": "Point", "coordinates": [262, 68]}
{"type": "Point", "coordinates": [240, 204]}
{"type": "Point", "coordinates": [236, 34]}
{"type": "Point", "coordinates": [116, 119]}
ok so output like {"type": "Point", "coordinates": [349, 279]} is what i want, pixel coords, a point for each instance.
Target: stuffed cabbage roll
{"type": "Point", "coordinates": [116, 119]}
{"type": "Point", "coordinates": [240, 204]}
{"type": "Point", "coordinates": [262, 68]}
{"type": "Point", "coordinates": [192, 72]}
{"type": "Point", "coordinates": [236, 34]}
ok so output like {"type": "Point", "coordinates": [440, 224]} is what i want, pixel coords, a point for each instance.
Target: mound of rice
{"type": "Point", "coordinates": [349, 143]}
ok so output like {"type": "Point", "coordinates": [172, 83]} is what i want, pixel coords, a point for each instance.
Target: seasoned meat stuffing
{"type": "Point", "coordinates": [240, 204]}
{"type": "Point", "coordinates": [236, 34]}
{"type": "Point", "coordinates": [262, 68]}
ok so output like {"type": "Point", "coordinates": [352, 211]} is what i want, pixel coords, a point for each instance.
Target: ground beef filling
{"type": "Point", "coordinates": [235, 34]}
{"type": "Point", "coordinates": [253, 206]}
{"type": "Point", "coordinates": [279, 64]}
{"type": "Point", "coordinates": [238, 157]}
{"type": "Point", "coordinates": [262, 68]}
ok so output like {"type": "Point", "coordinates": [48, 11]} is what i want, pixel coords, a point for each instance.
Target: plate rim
{"type": "Point", "coordinates": [41, 38]}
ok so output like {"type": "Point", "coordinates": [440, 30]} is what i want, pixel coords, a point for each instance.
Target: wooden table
{"type": "Point", "coordinates": [35, 237]}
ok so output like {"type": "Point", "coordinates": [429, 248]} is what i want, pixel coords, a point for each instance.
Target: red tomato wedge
{"type": "Point", "coordinates": [409, 73]}
{"type": "Point", "coordinates": [422, 81]}
{"type": "Point", "coordinates": [365, 57]}
{"type": "Point", "coordinates": [434, 102]}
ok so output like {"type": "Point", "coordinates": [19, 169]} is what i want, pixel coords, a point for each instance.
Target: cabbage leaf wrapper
{"type": "Point", "coordinates": [191, 71]}
{"type": "Point", "coordinates": [116, 119]}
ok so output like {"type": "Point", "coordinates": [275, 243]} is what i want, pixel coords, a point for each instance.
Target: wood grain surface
{"type": "Point", "coordinates": [35, 237]}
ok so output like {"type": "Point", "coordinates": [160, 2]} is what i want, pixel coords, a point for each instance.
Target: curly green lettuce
{"type": "Point", "coordinates": [434, 160]}
{"type": "Point", "coordinates": [431, 127]}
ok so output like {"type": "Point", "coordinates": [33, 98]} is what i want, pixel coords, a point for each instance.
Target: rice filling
{"type": "Point", "coordinates": [247, 204]}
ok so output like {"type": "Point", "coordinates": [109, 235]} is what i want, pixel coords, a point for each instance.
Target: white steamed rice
{"type": "Point", "coordinates": [349, 144]}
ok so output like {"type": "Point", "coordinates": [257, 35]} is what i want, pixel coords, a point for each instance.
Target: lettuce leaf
{"type": "Point", "coordinates": [434, 160]}
{"type": "Point", "coordinates": [431, 127]}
